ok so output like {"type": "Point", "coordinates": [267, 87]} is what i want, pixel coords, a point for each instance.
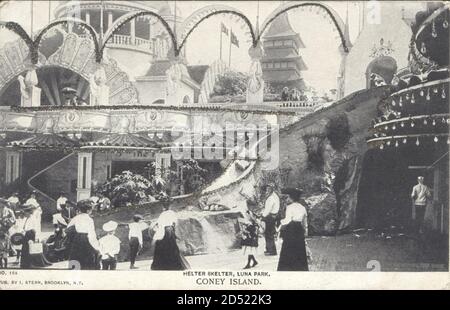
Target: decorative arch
{"type": "Point", "coordinates": [196, 18]}
{"type": "Point", "coordinates": [133, 15]}
{"type": "Point", "coordinates": [334, 16]}
{"type": "Point", "coordinates": [33, 45]}
{"type": "Point", "coordinates": [75, 54]}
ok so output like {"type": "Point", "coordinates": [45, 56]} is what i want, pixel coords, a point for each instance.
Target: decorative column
{"type": "Point", "coordinates": [13, 165]}
{"type": "Point", "coordinates": [88, 18]}
{"type": "Point", "coordinates": [255, 85]}
{"type": "Point", "coordinates": [84, 176]}
{"type": "Point", "coordinates": [133, 31]}
{"type": "Point", "coordinates": [162, 161]}
{"type": "Point", "coordinates": [30, 93]}
{"type": "Point", "coordinates": [99, 95]}
{"type": "Point", "coordinates": [110, 19]}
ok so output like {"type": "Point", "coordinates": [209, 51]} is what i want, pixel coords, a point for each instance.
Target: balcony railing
{"type": "Point", "coordinates": [135, 43]}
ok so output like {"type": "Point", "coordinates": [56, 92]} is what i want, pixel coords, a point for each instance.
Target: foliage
{"type": "Point", "coordinates": [231, 83]}
{"type": "Point", "coordinates": [338, 131]}
{"type": "Point", "coordinates": [130, 188]}
{"type": "Point", "coordinates": [193, 175]}
{"type": "Point", "coordinates": [314, 148]}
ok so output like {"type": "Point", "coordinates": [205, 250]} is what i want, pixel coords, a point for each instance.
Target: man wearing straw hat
{"type": "Point", "coordinates": [420, 196]}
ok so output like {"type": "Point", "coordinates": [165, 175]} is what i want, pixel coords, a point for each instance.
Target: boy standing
{"type": "Point", "coordinates": [109, 246]}
{"type": "Point", "coordinates": [135, 237]}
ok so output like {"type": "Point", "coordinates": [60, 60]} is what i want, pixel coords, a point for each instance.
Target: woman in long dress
{"type": "Point", "coordinates": [35, 218]}
{"type": "Point", "coordinates": [294, 228]}
{"type": "Point", "coordinates": [167, 255]}
{"type": "Point", "coordinates": [82, 242]}
{"type": "Point", "coordinates": [28, 260]}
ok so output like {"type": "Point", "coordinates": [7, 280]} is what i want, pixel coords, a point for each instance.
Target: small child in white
{"type": "Point", "coordinates": [109, 246]}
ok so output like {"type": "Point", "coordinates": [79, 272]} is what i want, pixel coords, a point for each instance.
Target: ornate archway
{"type": "Point", "coordinates": [76, 54]}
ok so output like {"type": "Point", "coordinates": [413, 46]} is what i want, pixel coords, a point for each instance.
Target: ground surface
{"type": "Point", "coordinates": [359, 251]}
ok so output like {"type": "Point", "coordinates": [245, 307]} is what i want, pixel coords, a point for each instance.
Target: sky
{"type": "Point", "coordinates": [321, 54]}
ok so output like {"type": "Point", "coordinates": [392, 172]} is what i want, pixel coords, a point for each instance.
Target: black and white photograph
{"type": "Point", "coordinates": [211, 144]}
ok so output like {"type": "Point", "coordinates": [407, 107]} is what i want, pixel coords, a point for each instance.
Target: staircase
{"type": "Point", "coordinates": [48, 203]}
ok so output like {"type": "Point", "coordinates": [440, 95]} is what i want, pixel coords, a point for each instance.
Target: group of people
{"type": "Point", "coordinates": [291, 226]}
{"type": "Point", "coordinates": [20, 228]}
{"type": "Point", "coordinates": [292, 94]}
{"type": "Point", "coordinates": [91, 252]}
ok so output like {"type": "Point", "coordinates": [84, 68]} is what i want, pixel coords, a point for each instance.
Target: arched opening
{"type": "Point", "coordinates": [159, 101]}
{"type": "Point", "coordinates": [53, 81]}
{"type": "Point", "coordinates": [186, 100]}
{"type": "Point", "coordinates": [380, 71]}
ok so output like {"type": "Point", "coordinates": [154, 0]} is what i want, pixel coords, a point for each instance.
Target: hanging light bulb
{"type": "Point", "coordinates": [381, 146]}
{"type": "Point", "coordinates": [393, 103]}
{"type": "Point", "coordinates": [388, 143]}
{"type": "Point", "coordinates": [413, 100]}
{"type": "Point", "coordinates": [402, 124]}
{"type": "Point", "coordinates": [434, 122]}
{"type": "Point", "coordinates": [445, 24]}
{"type": "Point", "coordinates": [422, 93]}
{"type": "Point", "coordinates": [386, 127]}
{"type": "Point", "coordinates": [448, 121]}
{"type": "Point", "coordinates": [436, 139]}
{"type": "Point", "coordinates": [433, 30]}
{"type": "Point", "coordinates": [405, 140]}
{"type": "Point", "coordinates": [400, 102]}
{"type": "Point", "coordinates": [417, 142]}
{"type": "Point", "coordinates": [396, 143]}
{"type": "Point", "coordinates": [407, 97]}
{"type": "Point", "coordinates": [448, 140]}
{"type": "Point", "coordinates": [394, 127]}
{"type": "Point", "coordinates": [425, 122]}
{"type": "Point", "coordinates": [435, 90]}
{"type": "Point", "coordinates": [423, 48]}
{"type": "Point", "coordinates": [412, 124]}
{"type": "Point", "coordinates": [428, 95]}
{"type": "Point", "coordinates": [443, 93]}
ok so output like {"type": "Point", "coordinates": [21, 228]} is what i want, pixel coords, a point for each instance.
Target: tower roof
{"type": "Point", "coordinates": [281, 27]}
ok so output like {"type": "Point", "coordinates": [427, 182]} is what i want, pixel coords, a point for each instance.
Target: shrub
{"type": "Point", "coordinates": [338, 131]}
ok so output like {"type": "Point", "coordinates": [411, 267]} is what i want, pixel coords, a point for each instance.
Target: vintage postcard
{"type": "Point", "coordinates": [224, 145]}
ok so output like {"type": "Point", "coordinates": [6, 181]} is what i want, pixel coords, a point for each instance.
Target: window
{"type": "Point", "coordinates": [284, 65]}
{"type": "Point", "coordinates": [278, 43]}
{"type": "Point", "coordinates": [277, 65]}
{"type": "Point", "coordinates": [270, 65]}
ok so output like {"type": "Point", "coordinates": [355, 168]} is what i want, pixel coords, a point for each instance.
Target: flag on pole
{"type": "Point", "coordinates": [224, 29]}
{"type": "Point", "coordinates": [234, 40]}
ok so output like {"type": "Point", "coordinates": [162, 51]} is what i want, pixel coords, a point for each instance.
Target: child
{"type": "Point", "coordinates": [4, 249]}
{"type": "Point", "coordinates": [135, 237]}
{"type": "Point", "coordinates": [109, 246]}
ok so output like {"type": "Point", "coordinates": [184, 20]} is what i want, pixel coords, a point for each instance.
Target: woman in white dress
{"type": "Point", "coordinates": [34, 221]}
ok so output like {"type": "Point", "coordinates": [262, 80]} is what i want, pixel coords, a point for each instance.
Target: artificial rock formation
{"type": "Point", "coordinates": [323, 156]}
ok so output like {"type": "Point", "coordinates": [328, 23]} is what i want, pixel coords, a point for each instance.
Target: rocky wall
{"type": "Point", "coordinates": [322, 154]}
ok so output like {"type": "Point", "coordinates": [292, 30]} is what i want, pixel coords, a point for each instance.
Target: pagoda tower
{"type": "Point", "coordinates": [282, 63]}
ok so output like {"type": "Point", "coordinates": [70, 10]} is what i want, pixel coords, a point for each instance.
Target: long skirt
{"type": "Point", "coordinates": [31, 261]}
{"type": "Point", "coordinates": [167, 255]}
{"type": "Point", "coordinates": [293, 250]}
{"type": "Point", "coordinates": [80, 250]}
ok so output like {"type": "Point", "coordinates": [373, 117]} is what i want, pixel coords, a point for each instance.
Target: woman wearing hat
{"type": "Point", "coordinates": [83, 245]}
{"type": "Point", "coordinates": [167, 254]}
{"type": "Point", "coordinates": [34, 220]}
{"type": "Point", "coordinates": [294, 228]}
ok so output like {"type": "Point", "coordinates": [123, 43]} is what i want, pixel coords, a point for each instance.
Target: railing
{"type": "Point", "coordinates": [131, 42]}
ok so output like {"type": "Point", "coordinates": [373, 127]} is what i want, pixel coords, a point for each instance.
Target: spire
{"type": "Point", "coordinates": [347, 30]}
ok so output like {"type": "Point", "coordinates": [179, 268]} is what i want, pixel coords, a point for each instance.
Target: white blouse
{"type": "Point", "coordinates": [136, 230]}
{"type": "Point", "coordinates": [297, 213]}
{"type": "Point", "coordinates": [84, 224]}
{"type": "Point", "coordinates": [109, 246]}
